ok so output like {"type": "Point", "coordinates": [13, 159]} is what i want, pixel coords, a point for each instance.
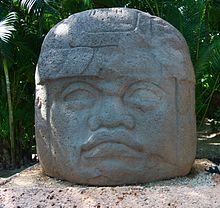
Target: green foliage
{"type": "Point", "coordinates": [4, 124]}
{"type": "Point", "coordinates": [7, 27]}
{"type": "Point", "coordinates": [208, 76]}
{"type": "Point", "coordinates": [11, 98]}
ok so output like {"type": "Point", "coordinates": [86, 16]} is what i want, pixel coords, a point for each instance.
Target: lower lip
{"type": "Point", "coordinates": [112, 151]}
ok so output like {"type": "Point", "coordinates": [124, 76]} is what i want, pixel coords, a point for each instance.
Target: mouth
{"type": "Point", "coordinates": [115, 144]}
{"type": "Point", "coordinates": [114, 151]}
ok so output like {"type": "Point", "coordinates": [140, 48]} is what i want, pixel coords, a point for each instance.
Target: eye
{"type": "Point", "coordinates": [79, 99]}
{"type": "Point", "coordinates": [142, 98]}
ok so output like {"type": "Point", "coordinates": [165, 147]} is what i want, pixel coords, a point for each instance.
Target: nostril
{"type": "Point", "coordinates": [96, 122]}
{"type": "Point", "coordinates": [129, 122]}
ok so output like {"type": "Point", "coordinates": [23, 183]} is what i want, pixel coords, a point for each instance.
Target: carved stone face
{"type": "Point", "coordinates": [119, 122]}
{"type": "Point", "coordinates": [105, 128]}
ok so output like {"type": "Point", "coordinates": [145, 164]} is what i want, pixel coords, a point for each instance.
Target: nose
{"type": "Point", "coordinates": [111, 114]}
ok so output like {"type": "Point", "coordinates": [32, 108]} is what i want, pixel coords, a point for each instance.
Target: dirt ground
{"type": "Point", "coordinates": [31, 188]}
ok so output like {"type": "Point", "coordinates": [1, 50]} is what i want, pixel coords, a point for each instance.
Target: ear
{"type": "Point", "coordinates": [42, 132]}
{"type": "Point", "coordinates": [186, 124]}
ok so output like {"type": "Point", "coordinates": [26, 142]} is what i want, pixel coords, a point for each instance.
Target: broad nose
{"type": "Point", "coordinates": [111, 114]}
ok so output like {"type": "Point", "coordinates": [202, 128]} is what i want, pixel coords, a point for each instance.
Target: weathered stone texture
{"type": "Point", "coordinates": [115, 99]}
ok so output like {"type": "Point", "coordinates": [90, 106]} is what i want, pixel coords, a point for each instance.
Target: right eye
{"type": "Point", "coordinates": [142, 99]}
{"type": "Point", "coordinates": [79, 99]}
{"type": "Point", "coordinates": [143, 96]}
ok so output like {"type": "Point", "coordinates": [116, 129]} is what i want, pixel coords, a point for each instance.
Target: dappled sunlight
{"type": "Point", "coordinates": [212, 135]}
{"type": "Point", "coordinates": [208, 146]}
{"type": "Point", "coordinates": [23, 182]}
{"type": "Point", "coordinates": [202, 139]}
{"type": "Point", "coordinates": [205, 137]}
{"type": "Point", "coordinates": [216, 144]}
{"type": "Point", "coordinates": [193, 194]}
{"type": "Point", "coordinates": [62, 30]}
{"type": "Point", "coordinates": [208, 136]}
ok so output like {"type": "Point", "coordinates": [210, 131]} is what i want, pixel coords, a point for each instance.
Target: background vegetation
{"type": "Point", "coordinates": [24, 24]}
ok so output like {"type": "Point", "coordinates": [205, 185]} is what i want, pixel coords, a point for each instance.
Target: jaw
{"type": "Point", "coordinates": [115, 172]}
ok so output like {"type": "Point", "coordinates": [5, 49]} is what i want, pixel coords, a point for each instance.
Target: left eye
{"type": "Point", "coordinates": [79, 99]}
{"type": "Point", "coordinates": [143, 99]}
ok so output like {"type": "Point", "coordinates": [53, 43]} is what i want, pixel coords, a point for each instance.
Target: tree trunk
{"type": "Point", "coordinates": [10, 113]}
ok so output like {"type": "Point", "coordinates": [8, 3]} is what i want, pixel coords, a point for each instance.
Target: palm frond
{"type": "Point", "coordinates": [36, 6]}
{"type": "Point", "coordinates": [7, 27]}
{"type": "Point", "coordinates": [28, 4]}
{"type": "Point", "coordinates": [209, 58]}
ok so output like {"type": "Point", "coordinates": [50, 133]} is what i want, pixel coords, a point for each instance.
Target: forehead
{"type": "Point", "coordinates": [122, 42]}
{"type": "Point", "coordinates": [102, 62]}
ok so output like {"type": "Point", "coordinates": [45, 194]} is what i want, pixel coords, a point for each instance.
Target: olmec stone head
{"type": "Point", "coordinates": [115, 99]}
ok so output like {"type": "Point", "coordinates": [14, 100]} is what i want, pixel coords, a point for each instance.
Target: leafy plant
{"type": "Point", "coordinates": [6, 29]}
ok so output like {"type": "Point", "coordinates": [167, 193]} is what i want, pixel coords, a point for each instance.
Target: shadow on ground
{"type": "Point", "coordinates": [208, 146]}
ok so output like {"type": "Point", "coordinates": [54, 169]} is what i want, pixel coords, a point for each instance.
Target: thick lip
{"type": "Point", "coordinates": [112, 151]}
{"type": "Point", "coordinates": [116, 136]}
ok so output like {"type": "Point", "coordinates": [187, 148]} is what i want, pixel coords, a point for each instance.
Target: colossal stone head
{"type": "Point", "coordinates": [115, 99]}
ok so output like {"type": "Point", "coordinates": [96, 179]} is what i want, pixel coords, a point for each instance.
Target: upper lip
{"type": "Point", "coordinates": [118, 136]}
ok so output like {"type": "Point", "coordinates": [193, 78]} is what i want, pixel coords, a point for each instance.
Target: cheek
{"type": "Point", "coordinates": [68, 128]}
{"type": "Point", "coordinates": [158, 135]}
{"type": "Point", "coordinates": [157, 126]}
{"type": "Point", "coordinates": [154, 117]}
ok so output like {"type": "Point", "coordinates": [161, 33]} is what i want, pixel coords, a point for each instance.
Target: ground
{"type": "Point", "coordinates": [208, 146]}
{"type": "Point", "coordinates": [31, 188]}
